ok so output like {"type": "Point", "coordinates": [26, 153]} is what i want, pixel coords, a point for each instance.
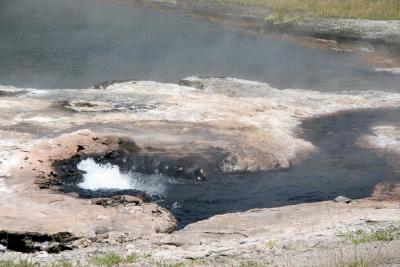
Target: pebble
{"type": "Point", "coordinates": [343, 199]}
{"type": "Point", "coordinates": [130, 247]}
{"type": "Point", "coordinates": [42, 254]}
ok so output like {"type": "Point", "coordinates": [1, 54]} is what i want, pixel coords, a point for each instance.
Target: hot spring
{"type": "Point", "coordinates": [339, 168]}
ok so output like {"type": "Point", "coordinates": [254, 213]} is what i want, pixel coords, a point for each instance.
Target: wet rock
{"type": "Point", "coordinates": [118, 200]}
{"type": "Point", "coordinates": [89, 106]}
{"type": "Point", "coordinates": [192, 81]}
{"type": "Point", "coordinates": [11, 93]}
{"type": "Point", "coordinates": [126, 199]}
{"type": "Point", "coordinates": [343, 199]}
{"type": "Point", "coordinates": [105, 202]}
{"type": "Point", "coordinates": [32, 241]}
{"type": "Point", "coordinates": [106, 84]}
{"type": "Point", "coordinates": [200, 174]}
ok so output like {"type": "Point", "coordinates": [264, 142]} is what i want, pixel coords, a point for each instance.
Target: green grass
{"type": "Point", "coordinates": [357, 263]}
{"type": "Point", "coordinates": [250, 263]}
{"type": "Point", "coordinates": [361, 236]}
{"type": "Point", "coordinates": [62, 264]}
{"type": "Point", "coordinates": [271, 244]}
{"type": "Point", "coordinates": [363, 9]}
{"type": "Point", "coordinates": [23, 263]}
{"type": "Point", "coordinates": [113, 259]}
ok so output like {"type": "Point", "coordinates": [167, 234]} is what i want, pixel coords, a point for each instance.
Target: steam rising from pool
{"type": "Point", "coordinates": [109, 177]}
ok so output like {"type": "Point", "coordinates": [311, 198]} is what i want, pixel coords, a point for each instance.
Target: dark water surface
{"type": "Point", "coordinates": [339, 168]}
{"type": "Point", "coordinates": [75, 43]}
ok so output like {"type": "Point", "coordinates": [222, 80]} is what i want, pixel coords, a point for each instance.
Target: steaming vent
{"type": "Point", "coordinates": [107, 176]}
{"type": "Point", "coordinates": [148, 176]}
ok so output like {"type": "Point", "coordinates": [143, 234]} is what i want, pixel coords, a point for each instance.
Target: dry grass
{"type": "Point", "coordinates": [365, 9]}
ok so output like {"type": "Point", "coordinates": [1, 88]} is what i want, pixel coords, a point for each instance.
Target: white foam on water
{"type": "Point", "coordinates": [102, 176]}
{"type": "Point", "coordinates": [108, 176]}
{"type": "Point", "coordinates": [390, 70]}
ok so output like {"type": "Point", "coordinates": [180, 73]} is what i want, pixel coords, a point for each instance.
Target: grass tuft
{"type": "Point", "coordinates": [250, 263]}
{"type": "Point", "coordinates": [271, 244]}
{"type": "Point", "coordinates": [357, 263]}
{"type": "Point", "coordinates": [61, 264]}
{"type": "Point", "coordinates": [113, 259]}
{"type": "Point", "coordinates": [361, 236]}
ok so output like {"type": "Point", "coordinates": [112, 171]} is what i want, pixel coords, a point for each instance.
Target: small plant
{"type": "Point", "coordinates": [131, 258]}
{"type": "Point", "coordinates": [361, 236]}
{"type": "Point", "coordinates": [271, 244]}
{"type": "Point", "coordinates": [250, 263]}
{"type": "Point", "coordinates": [109, 259]}
{"type": "Point", "coordinates": [357, 263]}
{"type": "Point", "coordinates": [113, 259]}
{"type": "Point", "coordinates": [198, 261]}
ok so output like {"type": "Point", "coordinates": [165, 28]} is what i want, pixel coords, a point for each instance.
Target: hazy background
{"type": "Point", "coordinates": [75, 43]}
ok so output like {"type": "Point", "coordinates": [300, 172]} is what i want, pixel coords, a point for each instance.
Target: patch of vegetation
{"type": "Point", "coordinates": [271, 244]}
{"type": "Point", "coordinates": [62, 264]}
{"type": "Point", "coordinates": [112, 259]}
{"type": "Point", "coordinates": [361, 236]}
{"type": "Point", "coordinates": [357, 263]}
{"type": "Point", "coordinates": [363, 9]}
{"type": "Point", "coordinates": [199, 261]}
{"type": "Point", "coordinates": [249, 263]}
{"type": "Point", "coordinates": [176, 264]}
{"type": "Point", "coordinates": [23, 263]}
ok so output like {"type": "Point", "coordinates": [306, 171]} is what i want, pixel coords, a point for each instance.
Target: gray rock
{"type": "Point", "coordinates": [343, 199]}
{"type": "Point", "coordinates": [192, 81]}
{"type": "Point", "coordinates": [88, 106]}
{"type": "Point", "coordinates": [41, 255]}
{"type": "Point", "coordinates": [81, 243]}
{"type": "Point", "coordinates": [106, 84]}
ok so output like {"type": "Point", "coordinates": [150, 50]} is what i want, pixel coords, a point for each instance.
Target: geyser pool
{"type": "Point", "coordinates": [340, 167]}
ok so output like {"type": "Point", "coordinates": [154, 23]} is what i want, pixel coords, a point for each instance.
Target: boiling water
{"type": "Point", "coordinates": [109, 177]}
{"type": "Point", "coordinates": [339, 168]}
